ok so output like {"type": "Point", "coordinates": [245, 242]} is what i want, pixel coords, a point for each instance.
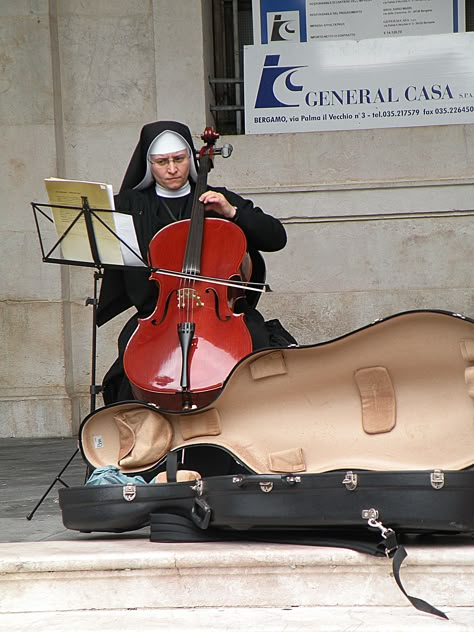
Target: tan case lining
{"type": "Point", "coordinates": [396, 395]}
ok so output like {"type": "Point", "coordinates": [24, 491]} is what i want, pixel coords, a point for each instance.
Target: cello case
{"type": "Point", "coordinates": [131, 439]}
{"type": "Point", "coordinates": [379, 419]}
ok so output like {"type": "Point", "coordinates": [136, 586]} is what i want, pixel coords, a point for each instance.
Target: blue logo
{"type": "Point", "coordinates": [271, 72]}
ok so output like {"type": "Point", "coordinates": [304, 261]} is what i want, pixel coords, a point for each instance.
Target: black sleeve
{"type": "Point", "coordinates": [121, 289]}
{"type": "Point", "coordinates": [263, 231]}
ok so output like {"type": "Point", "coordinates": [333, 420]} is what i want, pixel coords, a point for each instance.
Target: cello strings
{"type": "Point", "coordinates": [244, 285]}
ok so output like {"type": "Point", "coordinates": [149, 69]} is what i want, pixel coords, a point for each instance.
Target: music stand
{"type": "Point", "coordinates": [90, 216]}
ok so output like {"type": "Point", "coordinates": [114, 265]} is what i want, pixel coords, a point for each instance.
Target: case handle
{"type": "Point", "coordinates": [201, 513]}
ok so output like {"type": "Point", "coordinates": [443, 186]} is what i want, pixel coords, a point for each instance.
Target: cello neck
{"type": "Point", "coordinates": [192, 255]}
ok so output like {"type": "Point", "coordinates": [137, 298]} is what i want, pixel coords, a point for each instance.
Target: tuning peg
{"type": "Point", "coordinates": [227, 150]}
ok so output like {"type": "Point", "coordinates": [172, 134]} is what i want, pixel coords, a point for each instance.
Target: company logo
{"type": "Point", "coordinates": [284, 27]}
{"type": "Point", "coordinates": [283, 21]}
{"type": "Point", "coordinates": [278, 79]}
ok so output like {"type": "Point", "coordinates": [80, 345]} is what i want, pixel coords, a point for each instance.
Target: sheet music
{"type": "Point", "coordinates": [75, 245]}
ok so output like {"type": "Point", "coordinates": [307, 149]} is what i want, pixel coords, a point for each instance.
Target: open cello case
{"type": "Point", "coordinates": [370, 434]}
{"type": "Point", "coordinates": [349, 442]}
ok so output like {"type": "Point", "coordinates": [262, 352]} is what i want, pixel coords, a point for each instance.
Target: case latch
{"type": "Point", "coordinates": [197, 487]}
{"type": "Point", "coordinates": [289, 479]}
{"type": "Point", "coordinates": [238, 480]}
{"type": "Point", "coordinates": [437, 479]}
{"type": "Point", "coordinates": [129, 492]}
{"type": "Point", "coordinates": [370, 514]}
{"type": "Point", "coordinates": [350, 481]}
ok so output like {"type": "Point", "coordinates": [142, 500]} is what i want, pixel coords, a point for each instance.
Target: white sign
{"type": "Point", "coordinates": [307, 20]}
{"type": "Point", "coordinates": [340, 85]}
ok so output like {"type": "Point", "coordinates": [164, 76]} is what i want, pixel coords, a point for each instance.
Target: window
{"type": "Point", "coordinates": [469, 15]}
{"type": "Point", "coordinates": [232, 28]}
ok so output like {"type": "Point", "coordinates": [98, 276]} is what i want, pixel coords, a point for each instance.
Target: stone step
{"type": "Point", "coordinates": [294, 619]}
{"type": "Point", "coordinates": [114, 574]}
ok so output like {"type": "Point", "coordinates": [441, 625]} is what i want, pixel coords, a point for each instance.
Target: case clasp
{"type": "Point", "coordinates": [289, 479]}
{"type": "Point", "coordinates": [370, 514]}
{"type": "Point", "coordinates": [437, 479]}
{"type": "Point", "coordinates": [350, 481]}
{"type": "Point", "coordinates": [129, 492]}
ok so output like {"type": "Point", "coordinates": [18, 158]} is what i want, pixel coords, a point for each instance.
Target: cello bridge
{"type": "Point", "coordinates": [188, 297]}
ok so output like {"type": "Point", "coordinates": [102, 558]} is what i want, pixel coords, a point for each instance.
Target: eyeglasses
{"type": "Point", "coordinates": [164, 162]}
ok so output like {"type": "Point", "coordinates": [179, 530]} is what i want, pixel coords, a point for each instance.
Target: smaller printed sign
{"type": "Point", "coordinates": [309, 20]}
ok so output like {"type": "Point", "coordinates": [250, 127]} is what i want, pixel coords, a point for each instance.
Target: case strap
{"type": "Point", "coordinates": [398, 557]}
{"type": "Point", "coordinates": [175, 528]}
{"type": "Point", "coordinates": [167, 527]}
{"type": "Point", "coordinates": [397, 553]}
{"type": "Point", "coordinates": [171, 466]}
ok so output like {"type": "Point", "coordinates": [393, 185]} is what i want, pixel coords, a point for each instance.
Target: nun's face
{"type": "Point", "coordinates": [171, 171]}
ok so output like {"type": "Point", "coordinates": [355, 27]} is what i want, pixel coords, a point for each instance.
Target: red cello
{"type": "Point", "coordinates": [179, 357]}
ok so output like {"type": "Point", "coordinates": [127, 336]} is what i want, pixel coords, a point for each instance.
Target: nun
{"type": "Point", "coordinates": [157, 189]}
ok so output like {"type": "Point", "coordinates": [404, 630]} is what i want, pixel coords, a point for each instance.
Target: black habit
{"type": "Point", "coordinates": [122, 289]}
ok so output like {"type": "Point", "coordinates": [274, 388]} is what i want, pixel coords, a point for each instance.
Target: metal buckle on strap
{"type": "Point", "coordinates": [389, 535]}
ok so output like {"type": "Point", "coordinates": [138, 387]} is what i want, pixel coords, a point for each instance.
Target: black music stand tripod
{"type": "Point", "coordinates": [89, 215]}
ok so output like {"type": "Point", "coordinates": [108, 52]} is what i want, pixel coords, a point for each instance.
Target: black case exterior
{"type": "Point", "coordinates": [406, 501]}
{"type": "Point", "coordinates": [119, 508]}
